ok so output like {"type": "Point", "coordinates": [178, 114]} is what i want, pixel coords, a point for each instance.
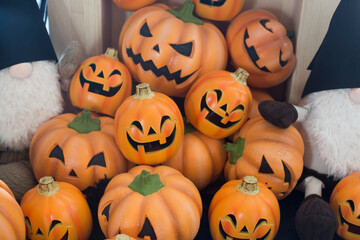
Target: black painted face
{"type": "Point", "coordinates": [154, 145]}
{"type": "Point", "coordinates": [213, 3]}
{"type": "Point", "coordinates": [214, 117]}
{"type": "Point", "coordinates": [183, 49]}
{"type": "Point", "coordinates": [228, 231]}
{"type": "Point", "coordinates": [96, 160]}
{"type": "Point", "coordinates": [46, 234]}
{"type": "Point", "coordinates": [252, 52]}
{"type": "Point", "coordinates": [96, 80]}
{"type": "Point", "coordinates": [352, 228]}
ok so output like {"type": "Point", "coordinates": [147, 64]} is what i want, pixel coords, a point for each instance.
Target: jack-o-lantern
{"type": "Point", "coordinates": [219, 103]}
{"type": "Point", "coordinates": [258, 42]}
{"type": "Point", "coordinates": [56, 210]}
{"type": "Point", "coordinates": [244, 209]}
{"type": "Point", "coordinates": [151, 203]}
{"type": "Point", "coordinates": [273, 155]}
{"type": "Point", "coordinates": [80, 150]}
{"type": "Point", "coordinates": [131, 5]}
{"type": "Point", "coordinates": [218, 10]}
{"type": "Point", "coordinates": [169, 49]}
{"type": "Point", "coordinates": [12, 226]}
{"type": "Point", "coordinates": [345, 201]}
{"type": "Point", "coordinates": [101, 83]}
{"type": "Point", "coordinates": [149, 128]}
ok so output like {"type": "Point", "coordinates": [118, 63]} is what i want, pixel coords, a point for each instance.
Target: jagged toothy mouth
{"type": "Point", "coordinates": [352, 228]}
{"type": "Point", "coordinates": [153, 146]}
{"type": "Point", "coordinates": [224, 235]}
{"type": "Point", "coordinates": [159, 72]}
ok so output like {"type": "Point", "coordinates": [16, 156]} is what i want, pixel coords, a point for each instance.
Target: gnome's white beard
{"type": "Point", "coordinates": [332, 132]}
{"type": "Point", "coordinates": [26, 103]}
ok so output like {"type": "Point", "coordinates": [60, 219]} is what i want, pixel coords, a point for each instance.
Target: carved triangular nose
{"type": "Point", "coordinates": [156, 48]}
{"type": "Point", "coordinates": [224, 107]}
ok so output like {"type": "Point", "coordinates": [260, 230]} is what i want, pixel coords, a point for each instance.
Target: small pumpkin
{"type": "Point", "coordinates": [244, 209]}
{"type": "Point", "coordinates": [200, 158]}
{"type": "Point", "coordinates": [258, 42]}
{"type": "Point", "coordinates": [12, 226]}
{"type": "Point", "coordinates": [149, 128]}
{"type": "Point", "coordinates": [345, 201]}
{"type": "Point", "coordinates": [151, 203]}
{"type": "Point", "coordinates": [78, 149]}
{"type": "Point", "coordinates": [132, 5]}
{"type": "Point", "coordinates": [101, 83]}
{"type": "Point", "coordinates": [218, 10]}
{"type": "Point", "coordinates": [56, 210]}
{"type": "Point", "coordinates": [273, 155]}
{"type": "Point", "coordinates": [219, 103]}
{"type": "Point", "coordinates": [170, 48]}
{"type": "Point", "coordinates": [259, 95]}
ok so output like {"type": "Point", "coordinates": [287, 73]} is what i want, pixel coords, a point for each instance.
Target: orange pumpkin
{"type": "Point", "coordinates": [80, 150]}
{"type": "Point", "coordinates": [244, 209]}
{"type": "Point", "coordinates": [121, 237]}
{"type": "Point", "coordinates": [169, 49]}
{"type": "Point", "coordinates": [151, 203]}
{"type": "Point", "coordinates": [273, 155]}
{"type": "Point", "coordinates": [258, 42]}
{"type": "Point", "coordinates": [101, 83]}
{"type": "Point", "coordinates": [218, 10]}
{"type": "Point", "coordinates": [149, 127]}
{"type": "Point", "coordinates": [56, 210]}
{"type": "Point", "coordinates": [219, 103]}
{"type": "Point", "coordinates": [12, 226]}
{"type": "Point", "coordinates": [259, 95]}
{"type": "Point", "coordinates": [345, 201]}
{"type": "Point", "coordinates": [131, 5]}
{"type": "Point", "coordinates": [200, 158]}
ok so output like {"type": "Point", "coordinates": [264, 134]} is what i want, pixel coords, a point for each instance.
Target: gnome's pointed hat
{"type": "Point", "coordinates": [337, 62]}
{"type": "Point", "coordinates": [23, 36]}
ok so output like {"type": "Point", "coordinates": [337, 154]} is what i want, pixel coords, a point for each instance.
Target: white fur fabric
{"type": "Point", "coordinates": [26, 103]}
{"type": "Point", "coordinates": [332, 131]}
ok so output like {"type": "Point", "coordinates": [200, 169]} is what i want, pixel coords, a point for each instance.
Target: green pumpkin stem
{"type": "Point", "coordinates": [143, 91]}
{"type": "Point", "coordinates": [240, 75]}
{"type": "Point", "coordinates": [47, 186]}
{"type": "Point", "coordinates": [235, 149]}
{"type": "Point", "coordinates": [186, 13]}
{"type": "Point", "coordinates": [84, 123]}
{"type": "Point", "coordinates": [249, 185]}
{"type": "Point", "coordinates": [111, 52]}
{"type": "Point", "coordinates": [146, 184]}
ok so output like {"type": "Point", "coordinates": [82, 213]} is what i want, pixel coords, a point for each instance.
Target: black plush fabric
{"type": "Point", "coordinates": [336, 64]}
{"type": "Point", "coordinates": [23, 36]}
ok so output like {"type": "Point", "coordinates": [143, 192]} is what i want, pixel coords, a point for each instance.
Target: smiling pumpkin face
{"type": "Point", "coordinates": [148, 127]}
{"type": "Point", "coordinates": [345, 201]}
{"type": "Point", "coordinates": [162, 50]}
{"type": "Point", "coordinates": [100, 84]}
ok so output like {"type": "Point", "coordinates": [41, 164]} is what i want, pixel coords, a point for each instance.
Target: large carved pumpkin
{"type": "Point", "coordinates": [218, 10]}
{"type": "Point", "coordinates": [169, 49]}
{"type": "Point", "coordinates": [258, 43]}
{"type": "Point", "coordinates": [12, 225]}
{"type": "Point", "coordinates": [273, 155]}
{"type": "Point", "coordinates": [345, 201]}
{"type": "Point", "coordinates": [80, 150]}
{"type": "Point", "coordinates": [149, 128]}
{"type": "Point", "coordinates": [101, 83]}
{"type": "Point", "coordinates": [219, 103]}
{"type": "Point", "coordinates": [56, 210]}
{"type": "Point", "coordinates": [151, 203]}
{"type": "Point", "coordinates": [244, 209]}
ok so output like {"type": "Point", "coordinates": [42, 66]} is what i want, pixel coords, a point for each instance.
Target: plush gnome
{"type": "Point", "coordinates": [30, 83]}
{"type": "Point", "coordinates": [328, 118]}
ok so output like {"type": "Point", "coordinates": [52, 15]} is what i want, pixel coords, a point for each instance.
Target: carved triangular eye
{"type": "Point", "coordinates": [98, 160]}
{"type": "Point", "coordinates": [28, 224]}
{"type": "Point", "coordinates": [57, 152]}
{"type": "Point", "coordinates": [262, 220]}
{"type": "Point", "coordinates": [351, 204]}
{"type": "Point", "coordinates": [147, 230]}
{"type": "Point", "coordinates": [93, 66]}
{"type": "Point", "coordinates": [53, 224]}
{"type": "Point", "coordinates": [145, 31]}
{"type": "Point", "coordinates": [265, 167]}
{"type": "Point", "coordinates": [66, 236]}
{"type": "Point", "coordinates": [184, 49]}
{"type": "Point", "coordinates": [115, 72]}
{"type": "Point", "coordinates": [105, 211]}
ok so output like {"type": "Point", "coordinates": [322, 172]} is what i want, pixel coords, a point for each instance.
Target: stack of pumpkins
{"type": "Point", "coordinates": [140, 139]}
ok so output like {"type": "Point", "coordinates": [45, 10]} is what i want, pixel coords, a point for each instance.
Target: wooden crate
{"type": "Point", "coordinates": [97, 24]}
